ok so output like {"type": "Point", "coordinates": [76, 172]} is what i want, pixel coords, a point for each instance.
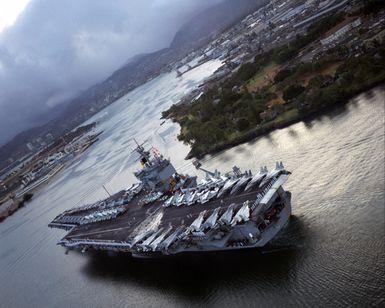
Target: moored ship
{"type": "Point", "coordinates": [168, 213]}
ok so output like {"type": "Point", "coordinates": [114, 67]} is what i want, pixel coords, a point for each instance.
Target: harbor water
{"type": "Point", "coordinates": [331, 253]}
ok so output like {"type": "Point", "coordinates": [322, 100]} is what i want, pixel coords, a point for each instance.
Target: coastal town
{"type": "Point", "coordinates": [283, 63]}
{"type": "Point", "coordinates": [25, 176]}
{"type": "Point", "coordinates": [280, 64]}
{"type": "Point", "coordinates": [276, 24]}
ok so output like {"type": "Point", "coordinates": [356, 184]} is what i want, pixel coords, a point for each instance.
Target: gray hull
{"type": "Point", "coordinates": [252, 230]}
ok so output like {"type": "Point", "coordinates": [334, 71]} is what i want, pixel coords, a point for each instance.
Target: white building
{"type": "Point", "coordinates": [30, 146]}
{"type": "Point", "coordinates": [341, 32]}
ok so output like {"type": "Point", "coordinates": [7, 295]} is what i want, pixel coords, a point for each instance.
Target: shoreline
{"type": "Point", "coordinates": [271, 126]}
{"type": "Point", "coordinates": [281, 86]}
{"type": "Point", "coordinates": [14, 206]}
{"type": "Point", "coordinates": [21, 201]}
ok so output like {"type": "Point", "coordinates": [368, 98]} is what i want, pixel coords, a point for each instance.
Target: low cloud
{"type": "Point", "coordinates": [58, 48]}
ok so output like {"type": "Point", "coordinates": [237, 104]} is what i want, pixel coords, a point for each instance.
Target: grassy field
{"type": "Point", "coordinates": [286, 115]}
{"type": "Point", "coordinates": [327, 70]}
{"type": "Point", "coordinates": [263, 77]}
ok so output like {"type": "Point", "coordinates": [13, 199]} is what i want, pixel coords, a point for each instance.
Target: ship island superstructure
{"type": "Point", "coordinates": [168, 213]}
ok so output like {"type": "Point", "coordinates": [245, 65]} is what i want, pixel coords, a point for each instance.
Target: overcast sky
{"type": "Point", "coordinates": [52, 49]}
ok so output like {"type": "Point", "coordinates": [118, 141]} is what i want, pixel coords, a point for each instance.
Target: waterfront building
{"type": "Point", "coordinates": [341, 32]}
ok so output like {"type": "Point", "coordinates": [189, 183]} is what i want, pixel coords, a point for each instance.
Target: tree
{"type": "Point", "coordinates": [373, 6]}
{"type": "Point", "coordinates": [246, 71]}
{"type": "Point", "coordinates": [282, 75]}
{"type": "Point", "coordinates": [284, 54]}
{"type": "Point", "coordinates": [278, 108]}
{"type": "Point", "coordinates": [316, 81]}
{"type": "Point", "coordinates": [243, 124]}
{"type": "Point", "coordinates": [292, 91]}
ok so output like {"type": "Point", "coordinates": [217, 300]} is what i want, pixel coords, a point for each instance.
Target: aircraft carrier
{"type": "Point", "coordinates": [167, 213]}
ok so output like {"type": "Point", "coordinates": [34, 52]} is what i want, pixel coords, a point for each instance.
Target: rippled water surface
{"type": "Point", "coordinates": [332, 252]}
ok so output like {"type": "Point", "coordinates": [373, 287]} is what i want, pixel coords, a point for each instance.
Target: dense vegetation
{"type": "Point", "coordinates": [229, 114]}
{"type": "Point", "coordinates": [372, 7]}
